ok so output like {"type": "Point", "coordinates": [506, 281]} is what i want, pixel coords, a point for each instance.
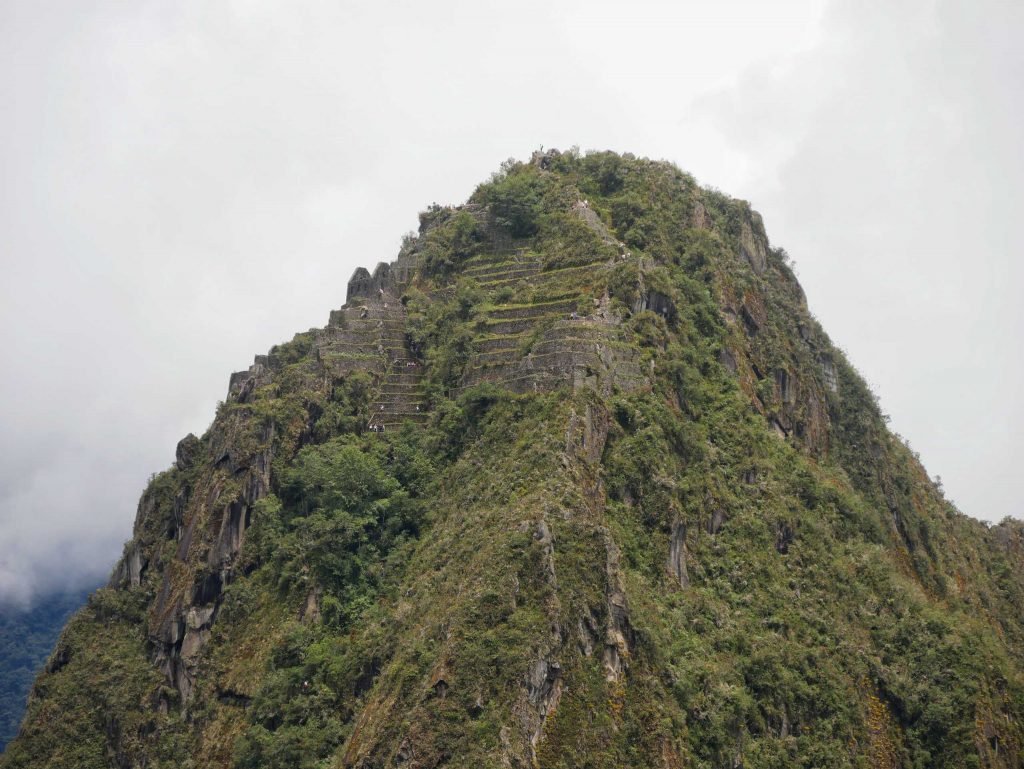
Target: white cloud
{"type": "Point", "coordinates": [887, 165]}
{"type": "Point", "coordinates": [186, 184]}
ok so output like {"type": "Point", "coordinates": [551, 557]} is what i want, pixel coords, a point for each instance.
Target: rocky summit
{"type": "Point", "coordinates": [575, 481]}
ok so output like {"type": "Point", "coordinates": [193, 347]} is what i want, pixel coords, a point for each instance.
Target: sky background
{"type": "Point", "coordinates": [185, 184]}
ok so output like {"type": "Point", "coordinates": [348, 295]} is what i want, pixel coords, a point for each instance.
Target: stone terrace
{"type": "Point", "coordinates": [546, 328]}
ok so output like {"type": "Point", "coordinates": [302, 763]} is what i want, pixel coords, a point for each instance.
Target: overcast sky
{"type": "Point", "coordinates": [185, 184]}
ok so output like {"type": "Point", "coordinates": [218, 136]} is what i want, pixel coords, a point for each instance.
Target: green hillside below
{"type": "Point", "coordinates": [27, 635]}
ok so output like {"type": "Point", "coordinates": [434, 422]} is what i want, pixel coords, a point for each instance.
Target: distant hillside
{"type": "Point", "coordinates": [577, 481]}
{"type": "Point", "coordinates": [26, 638]}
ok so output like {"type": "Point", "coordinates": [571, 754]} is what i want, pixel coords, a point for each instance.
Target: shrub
{"type": "Point", "coordinates": [451, 243]}
{"type": "Point", "coordinates": [516, 201]}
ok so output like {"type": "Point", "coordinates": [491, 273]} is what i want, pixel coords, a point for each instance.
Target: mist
{"type": "Point", "coordinates": [187, 184]}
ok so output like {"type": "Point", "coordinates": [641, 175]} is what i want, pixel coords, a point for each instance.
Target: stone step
{"type": "Point", "coordinates": [354, 317]}
{"type": "Point", "coordinates": [515, 326]}
{"type": "Point", "coordinates": [374, 311]}
{"type": "Point", "coordinates": [539, 361]}
{"type": "Point", "coordinates": [502, 261]}
{"type": "Point", "coordinates": [398, 414]}
{"type": "Point", "coordinates": [396, 335]}
{"type": "Point", "coordinates": [341, 366]}
{"type": "Point", "coordinates": [398, 401]}
{"type": "Point", "coordinates": [505, 279]}
{"type": "Point", "coordinates": [396, 411]}
{"type": "Point", "coordinates": [394, 425]}
{"type": "Point", "coordinates": [499, 256]}
{"type": "Point", "coordinates": [369, 357]}
{"type": "Point", "coordinates": [400, 397]}
{"type": "Point", "coordinates": [518, 382]}
{"type": "Point", "coordinates": [566, 275]}
{"type": "Point", "coordinates": [515, 282]}
{"type": "Point", "coordinates": [503, 342]}
{"type": "Point", "coordinates": [352, 329]}
{"type": "Point", "coordinates": [403, 379]}
{"type": "Point", "coordinates": [392, 414]}
{"type": "Point", "coordinates": [499, 273]}
{"type": "Point", "coordinates": [492, 357]}
{"type": "Point", "coordinates": [513, 344]}
{"type": "Point", "coordinates": [394, 418]}
{"type": "Point", "coordinates": [511, 311]}
{"type": "Point", "coordinates": [581, 332]}
{"type": "Point", "coordinates": [368, 342]}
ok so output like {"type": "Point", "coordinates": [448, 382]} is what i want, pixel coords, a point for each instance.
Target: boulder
{"type": "Point", "coordinates": [188, 450]}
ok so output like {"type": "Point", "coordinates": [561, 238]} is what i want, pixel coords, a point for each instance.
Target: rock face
{"type": "Point", "coordinates": [677, 554]}
{"type": "Point", "coordinates": [753, 243]}
{"type": "Point", "coordinates": [188, 451]}
{"type": "Point", "coordinates": [576, 480]}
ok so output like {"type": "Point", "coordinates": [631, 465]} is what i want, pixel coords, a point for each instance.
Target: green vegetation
{"type": "Point", "coordinates": [450, 244]}
{"type": "Point", "coordinates": [27, 637]}
{"type": "Point", "coordinates": [666, 527]}
{"type": "Point", "coordinates": [339, 531]}
{"type": "Point", "coordinates": [90, 705]}
{"type": "Point", "coordinates": [515, 196]}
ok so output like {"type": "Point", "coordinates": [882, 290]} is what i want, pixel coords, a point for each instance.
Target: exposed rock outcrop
{"type": "Point", "coordinates": [677, 553]}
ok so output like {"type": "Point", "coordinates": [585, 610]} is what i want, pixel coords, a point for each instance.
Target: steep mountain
{"type": "Point", "coordinates": [576, 481]}
{"type": "Point", "coordinates": [27, 635]}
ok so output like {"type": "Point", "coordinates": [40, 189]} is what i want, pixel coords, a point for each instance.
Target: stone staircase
{"type": "Point", "coordinates": [369, 335]}
{"type": "Point", "coordinates": [536, 340]}
{"type": "Point", "coordinates": [531, 340]}
{"type": "Point", "coordinates": [363, 337]}
{"type": "Point", "coordinates": [582, 352]}
{"type": "Point", "coordinates": [508, 329]}
{"type": "Point", "coordinates": [400, 397]}
{"type": "Point", "coordinates": [542, 282]}
{"type": "Point", "coordinates": [501, 267]}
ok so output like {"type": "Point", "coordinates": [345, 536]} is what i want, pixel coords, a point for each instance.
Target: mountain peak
{"type": "Point", "coordinates": [575, 480]}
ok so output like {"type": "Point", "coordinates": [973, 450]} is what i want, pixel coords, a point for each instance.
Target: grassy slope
{"type": "Point", "coordinates": [26, 638]}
